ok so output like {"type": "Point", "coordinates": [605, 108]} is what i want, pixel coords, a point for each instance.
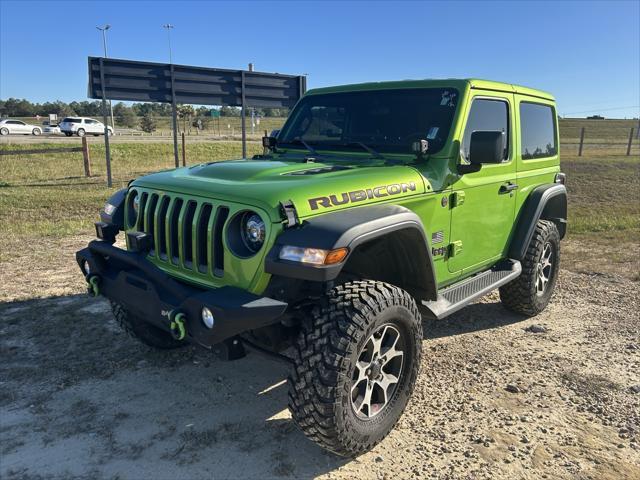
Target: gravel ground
{"type": "Point", "coordinates": [557, 396]}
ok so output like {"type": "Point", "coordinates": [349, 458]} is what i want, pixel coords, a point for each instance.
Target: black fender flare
{"type": "Point", "coordinates": [352, 228]}
{"type": "Point", "coordinates": [548, 202]}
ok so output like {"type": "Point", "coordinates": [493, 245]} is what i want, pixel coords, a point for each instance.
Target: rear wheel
{"type": "Point", "coordinates": [80, 132]}
{"type": "Point", "coordinates": [143, 331]}
{"type": "Point", "coordinates": [530, 293]}
{"type": "Point", "coordinates": [4, 131]}
{"type": "Point", "coordinates": [356, 363]}
{"type": "Point", "coordinates": [68, 134]}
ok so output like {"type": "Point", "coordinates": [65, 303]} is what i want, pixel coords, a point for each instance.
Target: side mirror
{"type": "Point", "coordinates": [269, 142]}
{"type": "Point", "coordinates": [486, 147]}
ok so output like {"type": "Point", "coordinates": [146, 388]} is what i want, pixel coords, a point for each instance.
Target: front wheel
{"type": "Point", "coordinates": [529, 294]}
{"type": "Point", "coordinates": [4, 131]}
{"type": "Point", "coordinates": [36, 131]}
{"type": "Point", "coordinates": [355, 366]}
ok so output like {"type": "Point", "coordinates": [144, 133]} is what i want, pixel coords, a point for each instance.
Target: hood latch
{"type": "Point", "coordinates": [289, 213]}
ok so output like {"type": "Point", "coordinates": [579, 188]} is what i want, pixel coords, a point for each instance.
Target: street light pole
{"type": "Point", "coordinates": [104, 29]}
{"type": "Point", "coordinates": [168, 26]}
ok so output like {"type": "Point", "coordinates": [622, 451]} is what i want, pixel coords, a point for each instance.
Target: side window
{"type": "Point", "coordinates": [537, 131]}
{"type": "Point", "coordinates": [90, 122]}
{"type": "Point", "coordinates": [487, 115]}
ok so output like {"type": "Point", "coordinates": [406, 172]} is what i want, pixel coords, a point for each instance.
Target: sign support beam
{"type": "Point", "coordinates": [243, 114]}
{"type": "Point", "coordinates": [106, 128]}
{"type": "Point", "coordinates": [174, 117]}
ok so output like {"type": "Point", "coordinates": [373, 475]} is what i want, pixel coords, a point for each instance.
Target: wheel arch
{"type": "Point", "coordinates": [546, 202]}
{"type": "Point", "coordinates": [384, 242]}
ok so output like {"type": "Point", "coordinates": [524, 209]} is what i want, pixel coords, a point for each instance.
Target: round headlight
{"type": "Point", "coordinates": [253, 231]}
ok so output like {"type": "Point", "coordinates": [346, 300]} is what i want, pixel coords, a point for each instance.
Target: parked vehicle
{"type": "Point", "coordinates": [18, 127]}
{"type": "Point", "coordinates": [82, 126]}
{"type": "Point", "coordinates": [50, 129]}
{"type": "Point", "coordinates": [375, 206]}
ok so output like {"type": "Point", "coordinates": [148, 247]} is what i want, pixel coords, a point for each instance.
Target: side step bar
{"type": "Point", "coordinates": [453, 298]}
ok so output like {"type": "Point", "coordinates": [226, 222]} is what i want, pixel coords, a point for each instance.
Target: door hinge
{"type": "Point", "coordinates": [458, 199]}
{"type": "Point", "coordinates": [455, 248]}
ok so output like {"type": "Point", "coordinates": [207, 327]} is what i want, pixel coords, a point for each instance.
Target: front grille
{"type": "Point", "coordinates": [186, 233]}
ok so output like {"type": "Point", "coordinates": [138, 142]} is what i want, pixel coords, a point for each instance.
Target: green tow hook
{"type": "Point", "coordinates": [94, 286]}
{"type": "Point", "coordinates": [178, 330]}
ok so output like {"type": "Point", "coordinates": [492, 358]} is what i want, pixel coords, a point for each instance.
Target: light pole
{"type": "Point", "coordinates": [168, 26]}
{"type": "Point", "coordinates": [104, 29]}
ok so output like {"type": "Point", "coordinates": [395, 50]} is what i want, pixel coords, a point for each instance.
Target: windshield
{"type": "Point", "coordinates": [388, 121]}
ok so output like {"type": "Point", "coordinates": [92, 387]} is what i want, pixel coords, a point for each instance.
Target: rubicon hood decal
{"type": "Point", "coordinates": [360, 195]}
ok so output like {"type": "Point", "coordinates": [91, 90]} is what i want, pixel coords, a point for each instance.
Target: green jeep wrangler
{"type": "Point", "coordinates": [376, 205]}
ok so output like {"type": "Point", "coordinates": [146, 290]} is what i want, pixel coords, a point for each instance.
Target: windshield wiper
{"type": "Point", "coordinates": [299, 141]}
{"type": "Point", "coordinates": [374, 153]}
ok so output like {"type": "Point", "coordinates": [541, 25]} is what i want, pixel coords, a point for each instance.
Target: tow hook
{"type": "Point", "coordinates": [93, 289]}
{"type": "Point", "coordinates": [178, 330]}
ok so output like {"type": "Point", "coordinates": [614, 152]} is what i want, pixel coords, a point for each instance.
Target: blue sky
{"type": "Point", "coordinates": [586, 53]}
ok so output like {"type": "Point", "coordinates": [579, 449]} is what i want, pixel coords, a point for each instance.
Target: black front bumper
{"type": "Point", "coordinates": [146, 291]}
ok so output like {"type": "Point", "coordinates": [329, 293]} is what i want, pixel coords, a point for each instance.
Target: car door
{"type": "Point", "coordinates": [483, 206]}
{"type": "Point", "coordinates": [19, 127]}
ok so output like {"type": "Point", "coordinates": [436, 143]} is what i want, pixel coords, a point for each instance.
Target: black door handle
{"type": "Point", "coordinates": [508, 187]}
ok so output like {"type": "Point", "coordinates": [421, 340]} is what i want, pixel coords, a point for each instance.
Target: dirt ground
{"type": "Point", "coordinates": [557, 396]}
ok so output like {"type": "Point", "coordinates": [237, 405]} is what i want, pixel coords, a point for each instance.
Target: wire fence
{"type": "Point", "coordinates": [134, 154]}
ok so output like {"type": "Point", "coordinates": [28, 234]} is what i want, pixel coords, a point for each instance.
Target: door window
{"type": "Point", "coordinates": [487, 115]}
{"type": "Point", "coordinates": [537, 131]}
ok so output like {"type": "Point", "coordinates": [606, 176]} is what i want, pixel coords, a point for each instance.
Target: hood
{"type": "Point", "coordinates": [314, 188]}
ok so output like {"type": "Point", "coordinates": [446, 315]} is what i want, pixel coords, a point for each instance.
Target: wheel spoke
{"type": "Point", "coordinates": [387, 380]}
{"type": "Point", "coordinates": [377, 343]}
{"type": "Point", "coordinates": [376, 373]}
{"type": "Point", "coordinates": [390, 355]}
{"type": "Point", "coordinates": [366, 400]}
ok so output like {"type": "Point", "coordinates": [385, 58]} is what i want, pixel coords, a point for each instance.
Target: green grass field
{"type": "Point", "coordinates": [49, 197]}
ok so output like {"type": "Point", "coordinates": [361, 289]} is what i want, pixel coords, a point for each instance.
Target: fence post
{"type": "Point", "coordinates": [184, 152]}
{"type": "Point", "coordinates": [581, 141]}
{"type": "Point", "coordinates": [630, 140]}
{"type": "Point", "coordinates": [85, 157]}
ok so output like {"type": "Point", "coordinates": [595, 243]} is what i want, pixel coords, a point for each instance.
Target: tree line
{"type": "Point", "coordinates": [125, 115]}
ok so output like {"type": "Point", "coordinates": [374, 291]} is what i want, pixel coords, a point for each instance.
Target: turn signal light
{"type": "Point", "coordinates": [336, 256]}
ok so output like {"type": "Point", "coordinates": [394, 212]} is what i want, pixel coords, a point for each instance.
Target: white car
{"type": "Point", "coordinates": [18, 127]}
{"type": "Point", "coordinates": [49, 129]}
{"type": "Point", "coordinates": [82, 126]}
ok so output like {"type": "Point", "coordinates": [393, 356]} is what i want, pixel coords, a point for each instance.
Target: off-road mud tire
{"type": "Point", "coordinates": [326, 350]}
{"type": "Point", "coordinates": [143, 331]}
{"type": "Point", "coordinates": [520, 295]}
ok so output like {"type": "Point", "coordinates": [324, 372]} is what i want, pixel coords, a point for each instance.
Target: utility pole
{"type": "Point", "coordinates": [104, 29]}
{"type": "Point", "coordinates": [168, 26]}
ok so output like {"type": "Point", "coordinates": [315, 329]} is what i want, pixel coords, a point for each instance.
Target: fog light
{"type": "Point", "coordinates": [85, 267]}
{"type": "Point", "coordinates": [207, 317]}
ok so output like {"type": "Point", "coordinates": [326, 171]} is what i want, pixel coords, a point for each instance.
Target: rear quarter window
{"type": "Point", "coordinates": [537, 131]}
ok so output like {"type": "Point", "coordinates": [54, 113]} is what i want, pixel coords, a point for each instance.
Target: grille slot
{"type": "Point", "coordinates": [161, 227]}
{"type": "Point", "coordinates": [202, 240]}
{"type": "Point", "coordinates": [150, 220]}
{"type": "Point", "coordinates": [186, 233]}
{"type": "Point", "coordinates": [174, 229]}
{"type": "Point", "coordinates": [218, 248]}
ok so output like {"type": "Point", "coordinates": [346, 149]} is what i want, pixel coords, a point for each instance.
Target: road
{"type": "Point", "coordinates": [496, 398]}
